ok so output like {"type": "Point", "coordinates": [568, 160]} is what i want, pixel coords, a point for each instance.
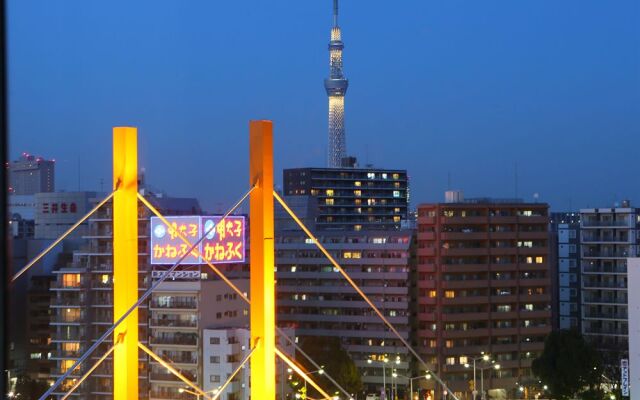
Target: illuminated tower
{"type": "Point", "coordinates": [336, 87]}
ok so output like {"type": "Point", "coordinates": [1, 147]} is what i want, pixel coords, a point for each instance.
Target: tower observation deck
{"type": "Point", "coordinates": [336, 87]}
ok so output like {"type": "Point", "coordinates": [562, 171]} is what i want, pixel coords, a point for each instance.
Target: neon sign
{"type": "Point", "coordinates": [224, 241]}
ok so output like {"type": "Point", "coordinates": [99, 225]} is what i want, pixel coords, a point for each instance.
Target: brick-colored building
{"type": "Point", "coordinates": [483, 285]}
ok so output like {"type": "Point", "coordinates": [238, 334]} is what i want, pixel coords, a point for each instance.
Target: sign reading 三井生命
{"type": "Point", "coordinates": [224, 241]}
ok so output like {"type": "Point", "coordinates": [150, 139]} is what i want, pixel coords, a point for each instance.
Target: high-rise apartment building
{"type": "Point", "coordinates": [82, 301]}
{"type": "Point", "coordinates": [483, 286]}
{"type": "Point", "coordinates": [350, 199]}
{"type": "Point", "coordinates": [565, 233]}
{"type": "Point", "coordinates": [314, 299]}
{"type": "Point", "coordinates": [608, 237]}
{"type": "Point", "coordinates": [183, 311]}
{"type": "Point", "coordinates": [30, 175]}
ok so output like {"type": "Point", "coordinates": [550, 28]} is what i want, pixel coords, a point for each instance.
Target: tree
{"type": "Point", "coordinates": [568, 365]}
{"type": "Point", "coordinates": [334, 359]}
{"type": "Point", "coordinates": [29, 389]}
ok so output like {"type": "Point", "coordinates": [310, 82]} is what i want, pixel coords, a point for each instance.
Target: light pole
{"type": "Point", "coordinates": [426, 376]}
{"type": "Point", "coordinates": [494, 366]}
{"type": "Point", "coordinates": [384, 374]}
{"type": "Point", "coordinates": [319, 371]}
{"type": "Point", "coordinates": [482, 357]}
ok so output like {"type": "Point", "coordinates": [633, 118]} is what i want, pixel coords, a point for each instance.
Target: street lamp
{"type": "Point", "coordinates": [427, 376]}
{"type": "Point", "coordinates": [493, 366]}
{"type": "Point", "coordinates": [384, 373]}
{"type": "Point", "coordinates": [318, 371]}
{"type": "Point", "coordinates": [482, 357]}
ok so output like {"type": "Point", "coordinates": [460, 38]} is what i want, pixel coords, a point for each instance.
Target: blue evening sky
{"type": "Point", "coordinates": [461, 88]}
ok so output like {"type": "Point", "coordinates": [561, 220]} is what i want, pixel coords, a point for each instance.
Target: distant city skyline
{"type": "Point", "coordinates": [456, 93]}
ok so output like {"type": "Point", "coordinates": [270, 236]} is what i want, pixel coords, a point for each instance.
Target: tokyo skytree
{"type": "Point", "coordinates": [336, 87]}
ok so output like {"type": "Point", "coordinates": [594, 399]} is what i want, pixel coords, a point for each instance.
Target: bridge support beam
{"type": "Point", "coordinates": [125, 261]}
{"type": "Point", "coordinates": [263, 363]}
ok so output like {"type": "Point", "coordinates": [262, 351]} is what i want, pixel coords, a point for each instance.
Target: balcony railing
{"type": "Point", "coordinates": [176, 340]}
{"type": "Point", "coordinates": [619, 253]}
{"type": "Point", "coordinates": [159, 376]}
{"type": "Point", "coordinates": [601, 315]}
{"type": "Point", "coordinates": [605, 269]}
{"type": "Point", "coordinates": [173, 323]}
{"type": "Point", "coordinates": [587, 223]}
{"type": "Point", "coordinates": [606, 300]}
{"type": "Point", "coordinates": [606, 331]}
{"type": "Point", "coordinates": [188, 305]}
{"type": "Point", "coordinates": [614, 285]}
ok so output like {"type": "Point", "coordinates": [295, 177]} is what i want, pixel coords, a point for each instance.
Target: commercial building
{"type": "Point", "coordinates": [609, 236]}
{"type": "Point", "coordinates": [350, 199]}
{"type": "Point", "coordinates": [82, 300]}
{"type": "Point", "coordinates": [483, 286]}
{"type": "Point", "coordinates": [314, 299]}
{"type": "Point", "coordinates": [30, 175]}
{"type": "Point", "coordinates": [565, 233]}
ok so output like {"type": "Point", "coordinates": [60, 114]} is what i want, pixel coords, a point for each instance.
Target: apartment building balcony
{"type": "Point", "coordinates": [464, 251]}
{"type": "Point", "coordinates": [426, 251]}
{"type": "Point", "coordinates": [177, 340]}
{"type": "Point", "coordinates": [536, 330]}
{"type": "Point", "coordinates": [173, 323]}
{"type": "Point", "coordinates": [605, 300]}
{"type": "Point", "coordinates": [428, 317]}
{"type": "Point", "coordinates": [615, 331]}
{"type": "Point", "coordinates": [601, 269]}
{"type": "Point", "coordinates": [464, 236]}
{"type": "Point", "coordinates": [502, 283]}
{"type": "Point", "coordinates": [62, 286]}
{"type": "Point", "coordinates": [178, 359]}
{"type": "Point", "coordinates": [465, 284]}
{"type": "Point", "coordinates": [464, 316]}
{"type": "Point", "coordinates": [503, 267]}
{"type": "Point", "coordinates": [68, 302]}
{"type": "Point", "coordinates": [595, 238]}
{"type": "Point", "coordinates": [534, 298]}
{"type": "Point", "coordinates": [534, 314]}
{"type": "Point", "coordinates": [450, 268]}
{"type": "Point", "coordinates": [535, 282]}
{"type": "Point", "coordinates": [426, 284]}
{"type": "Point", "coordinates": [169, 395]}
{"type": "Point", "coordinates": [453, 334]}
{"type": "Point", "coordinates": [473, 220]}
{"type": "Point", "coordinates": [597, 315]}
{"type": "Point", "coordinates": [173, 305]}
{"type": "Point", "coordinates": [168, 377]}
{"type": "Point", "coordinates": [464, 300]}
{"type": "Point", "coordinates": [425, 236]}
{"type": "Point", "coordinates": [607, 253]}
{"type": "Point", "coordinates": [66, 354]}
{"type": "Point", "coordinates": [593, 284]}
{"type": "Point", "coordinates": [586, 223]}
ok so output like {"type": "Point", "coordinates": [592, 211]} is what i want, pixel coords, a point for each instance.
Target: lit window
{"type": "Point", "coordinates": [396, 218]}
{"type": "Point", "coordinates": [396, 176]}
{"type": "Point", "coordinates": [328, 202]}
{"type": "Point", "coordinates": [294, 268]}
{"type": "Point", "coordinates": [397, 209]}
{"type": "Point", "coordinates": [450, 361]}
{"type": "Point", "coordinates": [539, 260]}
{"type": "Point", "coordinates": [432, 293]}
{"type": "Point", "coordinates": [393, 313]}
{"type": "Point", "coordinates": [357, 227]}
{"type": "Point", "coordinates": [357, 254]}
{"type": "Point", "coordinates": [396, 193]}
{"type": "Point", "coordinates": [448, 344]}
{"type": "Point", "coordinates": [371, 202]}
{"type": "Point", "coordinates": [464, 360]}
{"type": "Point", "coordinates": [359, 210]}
{"type": "Point", "coordinates": [449, 294]}
{"type": "Point", "coordinates": [384, 176]}
{"type": "Point", "coordinates": [527, 213]}
{"type": "Point", "coordinates": [528, 307]}
{"type": "Point", "coordinates": [433, 343]}
{"type": "Point", "coordinates": [71, 280]}
{"type": "Point", "coordinates": [357, 202]}
{"type": "Point", "coordinates": [308, 241]}
{"type": "Point", "coordinates": [371, 175]}
{"type": "Point", "coordinates": [357, 193]}
{"type": "Point", "coordinates": [104, 278]}
{"type": "Point", "coordinates": [329, 192]}
{"type": "Point", "coordinates": [358, 183]}
{"type": "Point", "coordinates": [346, 254]}
{"type": "Point", "coordinates": [529, 260]}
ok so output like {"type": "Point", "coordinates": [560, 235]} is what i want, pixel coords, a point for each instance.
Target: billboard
{"type": "Point", "coordinates": [224, 241]}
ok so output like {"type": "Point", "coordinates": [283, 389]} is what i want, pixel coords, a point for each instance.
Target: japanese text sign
{"type": "Point", "coordinates": [224, 241]}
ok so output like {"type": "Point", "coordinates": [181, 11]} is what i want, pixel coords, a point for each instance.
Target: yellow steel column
{"type": "Point", "coordinates": [263, 362]}
{"type": "Point", "coordinates": [125, 261]}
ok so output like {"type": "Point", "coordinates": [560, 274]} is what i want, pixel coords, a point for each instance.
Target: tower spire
{"type": "Point", "coordinates": [336, 87]}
